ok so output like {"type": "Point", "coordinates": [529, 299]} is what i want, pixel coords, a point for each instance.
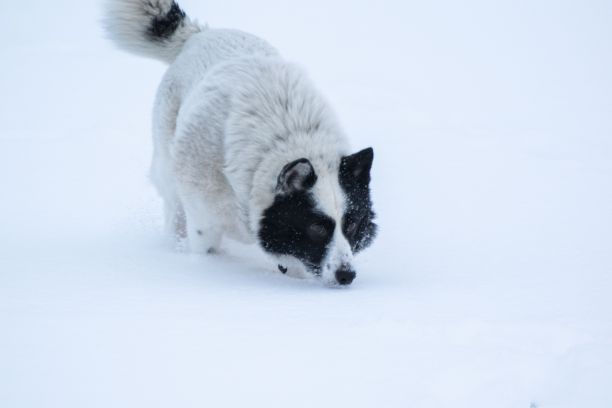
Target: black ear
{"type": "Point", "coordinates": [296, 176]}
{"type": "Point", "coordinates": [357, 166]}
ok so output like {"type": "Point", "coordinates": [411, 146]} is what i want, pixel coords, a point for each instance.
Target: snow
{"type": "Point", "coordinates": [489, 284]}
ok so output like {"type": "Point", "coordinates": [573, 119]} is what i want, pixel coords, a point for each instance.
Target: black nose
{"type": "Point", "coordinates": [345, 275]}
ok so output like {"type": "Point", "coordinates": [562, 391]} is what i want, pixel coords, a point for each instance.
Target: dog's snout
{"type": "Point", "coordinates": [345, 275]}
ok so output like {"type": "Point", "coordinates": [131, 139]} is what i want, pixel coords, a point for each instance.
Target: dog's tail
{"type": "Point", "coordinates": [151, 28]}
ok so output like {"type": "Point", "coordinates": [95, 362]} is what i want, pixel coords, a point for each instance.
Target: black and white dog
{"type": "Point", "coordinates": [246, 147]}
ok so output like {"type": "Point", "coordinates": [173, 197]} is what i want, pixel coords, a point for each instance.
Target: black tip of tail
{"type": "Point", "coordinates": [162, 27]}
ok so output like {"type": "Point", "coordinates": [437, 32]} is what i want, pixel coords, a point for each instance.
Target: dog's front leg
{"type": "Point", "coordinates": [204, 229]}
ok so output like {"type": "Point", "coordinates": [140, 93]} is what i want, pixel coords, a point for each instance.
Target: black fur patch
{"type": "Point", "coordinates": [162, 27]}
{"type": "Point", "coordinates": [292, 226]}
{"type": "Point", "coordinates": [358, 221]}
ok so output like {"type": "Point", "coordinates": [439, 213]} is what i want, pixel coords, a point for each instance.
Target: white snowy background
{"type": "Point", "coordinates": [490, 284]}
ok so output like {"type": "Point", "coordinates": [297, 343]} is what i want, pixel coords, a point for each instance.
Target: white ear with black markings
{"type": "Point", "coordinates": [299, 175]}
{"type": "Point", "coordinates": [356, 167]}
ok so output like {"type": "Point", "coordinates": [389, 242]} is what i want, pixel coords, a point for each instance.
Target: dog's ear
{"type": "Point", "coordinates": [356, 167]}
{"type": "Point", "coordinates": [298, 175]}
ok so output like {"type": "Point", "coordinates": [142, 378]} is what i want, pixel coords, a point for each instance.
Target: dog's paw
{"type": "Point", "coordinates": [293, 271]}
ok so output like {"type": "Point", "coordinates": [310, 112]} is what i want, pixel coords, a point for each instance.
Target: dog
{"type": "Point", "coordinates": [246, 147]}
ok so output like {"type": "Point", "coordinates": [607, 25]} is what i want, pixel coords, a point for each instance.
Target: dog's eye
{"type": "Point", "coordinates": [351, 228]}
{"type": "Point", "coordinates": [317, 232]}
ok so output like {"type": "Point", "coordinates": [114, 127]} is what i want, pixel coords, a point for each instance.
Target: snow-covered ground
{"type": "Point", "coordinates": [490, 284]}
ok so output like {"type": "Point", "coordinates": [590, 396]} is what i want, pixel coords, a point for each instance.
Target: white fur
{"type": "Point", "coordinates": [126, 23]}
{"type": "Point", "coordinates": [229, 114]}
{"type": "Point", "coordinates": [331, 201]}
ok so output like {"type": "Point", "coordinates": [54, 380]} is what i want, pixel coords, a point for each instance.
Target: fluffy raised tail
{"type": "Point", "coordinates": [151, 28]}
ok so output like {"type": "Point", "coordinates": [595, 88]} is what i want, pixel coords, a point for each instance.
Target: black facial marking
{"type": "Point", "coordinates": [162, 27]}
{"type": "Point", "coordinates": [358, 221]}
{"type": "Point", "coordinates": [318, 232]}
{"type": "Point", "coordinates": [292, 226]}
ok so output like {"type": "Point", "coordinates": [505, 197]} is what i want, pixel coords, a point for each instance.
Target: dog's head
{"type": "Point", "coordinates": [321, 220]}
